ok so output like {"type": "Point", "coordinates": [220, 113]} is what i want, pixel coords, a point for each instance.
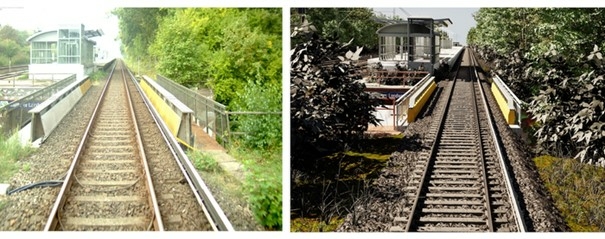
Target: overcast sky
{"type": "Point", "coordinates": [31, 17]}
{"type": "Point", "coordinates": [462, 18]}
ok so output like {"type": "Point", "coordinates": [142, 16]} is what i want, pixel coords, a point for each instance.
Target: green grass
{"type": "Point", "coordinates": [315, 225]}
{"type": "Point", "coordinates": [578, 191]}
{"type": "Point", "coordinates": [261, 189]}
{"type": "Point", "coordinates": [263, 183]}
{"type": "Point", "coordinates": [26, 167]}
{"type": "Point", "coordinates": [203, 162]}
{"type": "Point", "coordinates": [3, 203]}
{"type": "Point", "coordinates": [11, 151]}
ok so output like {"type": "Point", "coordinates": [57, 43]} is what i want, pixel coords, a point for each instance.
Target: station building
{"type": "Point", "coordinates": [414, 42]}
{"type": "Point", "coordinates": [56, 54]}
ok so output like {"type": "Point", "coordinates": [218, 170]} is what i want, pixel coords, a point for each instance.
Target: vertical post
{"type": "Point", "coordinates": [9, 70]}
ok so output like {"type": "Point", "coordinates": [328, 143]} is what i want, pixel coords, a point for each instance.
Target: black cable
{"type": "Point", "coordinates": [50, 183]}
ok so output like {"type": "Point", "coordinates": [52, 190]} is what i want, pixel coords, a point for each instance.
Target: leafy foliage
{"type": "Point", "coordinates": [550, 58]}
{"type": "Point", "coordinates": [570, 108]}
{"type": "Point", "coordinates": [345, 23]}
{"type": "Point", "coordinates": [265, 193]}
{"type": "Point", "coordinates": [238, 54]}
{"type": "Point", "coordinates": [13, 46]}
{"type": "Point", "coordinates": [262, 131]}
{"type": "Point", "coordinates": [329, 107]}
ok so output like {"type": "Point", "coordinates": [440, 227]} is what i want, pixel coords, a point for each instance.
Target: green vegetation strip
{"type": "Point", "coordinates": [578, 190]}
{"type": "Point", "coordinates": [11, 151]}
{"type": "Point", "coordinates": [342, 172]}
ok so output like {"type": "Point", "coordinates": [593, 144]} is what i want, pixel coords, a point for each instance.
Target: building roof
{"type": "Point", "coordinates": [38, 34]}
{"type": "Point", "coordinates": [87, 34]}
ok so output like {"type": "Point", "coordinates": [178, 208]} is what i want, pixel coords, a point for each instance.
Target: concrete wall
{"type": "Point", "coordinates": [173, 112]}
{"type": "Point", "coordinates": [47, 115]}
{"type": "Point", "coordinates": [419, 99]}
{"type": "Point", "coordinates": [503, 103]}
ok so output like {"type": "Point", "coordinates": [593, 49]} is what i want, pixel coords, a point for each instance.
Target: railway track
{"type": "Point", "coordinates": [121, 163]}
{"type": "Point", "coordinates": [6, 73]}
{"type": "Point", "coordinates": [108, 186]}
{"type": "Point", "coordinates": [462, 184]}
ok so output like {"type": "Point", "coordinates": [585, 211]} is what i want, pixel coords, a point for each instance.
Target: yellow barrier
{"type": "Point", "coordinates": [509, 114]}
{"type": "Point", "coordinates": [85, 86]}
{"type": "Point", "coordinates": [415, 110]}
{"type": "Point", "coordinates": [171, 118]}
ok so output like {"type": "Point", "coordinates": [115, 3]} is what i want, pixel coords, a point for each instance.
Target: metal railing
{"type": "Point", "coordinates": [212, 116]}
{"type": "Point", "coordinates": [209, 114]}
{"type": "Point", "coordinates": [15, 115]}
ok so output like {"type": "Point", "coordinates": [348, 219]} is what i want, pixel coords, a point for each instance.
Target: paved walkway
{"type": "Point", "coordinates": [208, 145]}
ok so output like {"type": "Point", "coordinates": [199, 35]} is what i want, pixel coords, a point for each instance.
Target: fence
{"type": "Point", "coordinates": [15, 115]}
{"type": "Point", "coordinates": [212, 116]}
{"type": "Point", "coordinates": [208, 114]}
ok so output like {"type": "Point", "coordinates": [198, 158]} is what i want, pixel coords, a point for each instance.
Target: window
{"type": "Point", "coordinates": [43, 52]}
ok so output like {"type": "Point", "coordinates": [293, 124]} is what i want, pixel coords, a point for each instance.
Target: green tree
{"type": "Point", "coordinates": [138, 27]}
{"type": "Point", "coordinates": [552, 58]}
{"type": "Point", "coordinates": [13, 46]}
{"type": "Point", "coordinates": [9, 49]}
{"type": "Point", "coordinates": [345, 23]}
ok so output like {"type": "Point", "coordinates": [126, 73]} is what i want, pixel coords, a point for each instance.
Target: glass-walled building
{"type": "Point", "coordinates": [413, 42]}
{"type": "Point", "coordinates": [58, 53]}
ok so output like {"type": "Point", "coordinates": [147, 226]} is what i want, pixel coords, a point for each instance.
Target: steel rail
{"type": "Point", "coordinates": [56, 212]}
{"type": "Point", "coordinates": [488, 209]}
{"type": "Point", "coordinates": [159, 226]}
{"type": "Point", "coordinates": [432, 154]}
{"type": "Point", "coordinates": [521, 227]}
{"type": "Point", "coordinates": [209, 205]}
{"type": "Point", "coordinates": [53, 219]}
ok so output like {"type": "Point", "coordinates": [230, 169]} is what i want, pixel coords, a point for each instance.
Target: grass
{"type": "Point", "coordinates": [203, 162]}
{"type": "Point", "coordinates": [259, 192]}
{"type": "Point", "coordinates": [229, 193]}
{"type": "Point", "coordinates": [262, 183]}
{"type": "Point", "coordinates": [315, 225]}
{"type": "Point", "coordinates": [331, 182]}
{"type": "Point", "coordinates": [97, 76]}
{"type": "Point", "coordinates": [578, 191]}
{"type": "Point", "coordinates": [11, 151]}
{"type": "Point", "coordinates": [3, 203]}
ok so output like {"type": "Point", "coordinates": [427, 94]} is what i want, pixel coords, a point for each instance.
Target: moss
{"type": "Point", "coordinates": [315, 225]}
{"type": "Point", "coordinates": [332, 183]}
{"type": "Point", "coordinates": [577, 189]}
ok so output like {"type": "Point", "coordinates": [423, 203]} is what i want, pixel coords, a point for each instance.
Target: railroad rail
{"type": "Point", "coordinates": [5, 69]}
{"type": "Point", "coordinates": [125, 157]}
{"type": "Point", "coordinates": [462, 185]}
{"type": "Point", "coordinates": [14, 71]}
{"type": "Point", "coordinates": [109, 174]}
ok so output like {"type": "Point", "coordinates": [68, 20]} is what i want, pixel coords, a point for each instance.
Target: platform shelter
{"type": "Point", "coordinates": [414, 42]}
{"type": "Point", "coordinates": [58, 53]}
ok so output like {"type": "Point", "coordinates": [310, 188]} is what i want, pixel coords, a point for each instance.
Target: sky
{"type": "Point", "coordinates": [33, 17]}
{"type": "Point", "coordinates": [462, 18]}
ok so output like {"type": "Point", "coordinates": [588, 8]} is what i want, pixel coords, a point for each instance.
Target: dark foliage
{"type": "Point", "coordinates": [570, 109]}
{"type": "Point", "coordinates": [329, 107]}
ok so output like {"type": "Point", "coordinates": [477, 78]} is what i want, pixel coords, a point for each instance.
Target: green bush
{"type": "Point", "coordinates": [261, 131]}
{"type": "Point", "coordinates": [203, 161]}
{"type": "Point", "coordinates": [11, 151]}
{"type": "Point", "coordinates": [265, 194]}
